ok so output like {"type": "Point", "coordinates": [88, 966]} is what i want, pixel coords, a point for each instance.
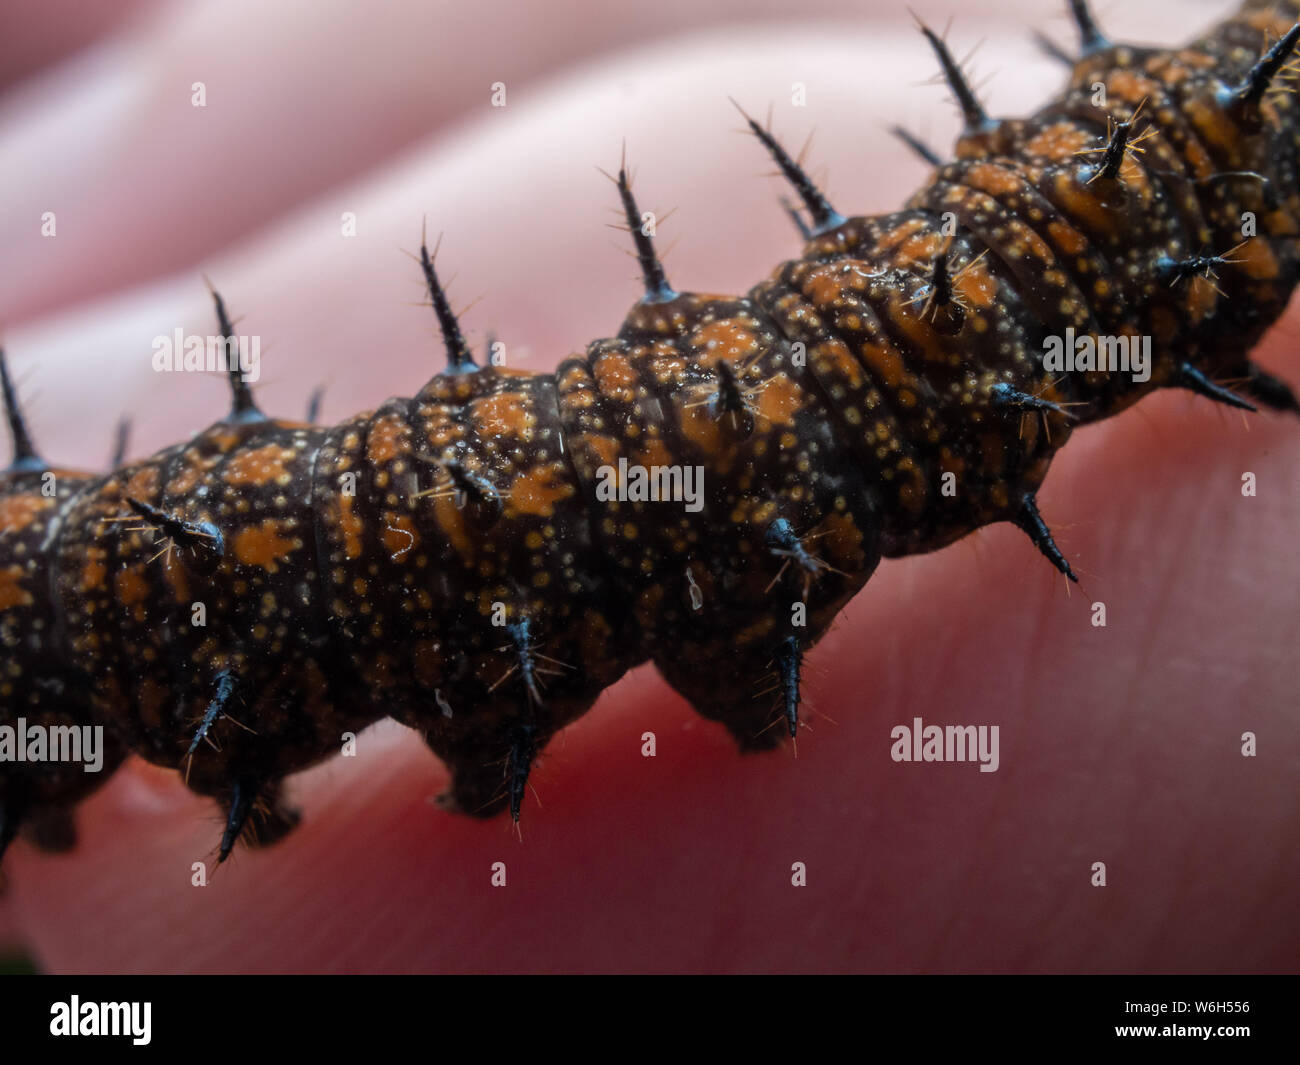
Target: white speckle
{"type": "Point", "coordinates": [396, 555]}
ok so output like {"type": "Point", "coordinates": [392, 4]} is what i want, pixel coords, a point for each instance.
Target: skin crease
{"type": "Point", "coordinates": [1119, 744]}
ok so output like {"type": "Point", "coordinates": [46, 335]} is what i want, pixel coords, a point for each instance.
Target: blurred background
{"type": "Point", "coordinates": [316, 107]}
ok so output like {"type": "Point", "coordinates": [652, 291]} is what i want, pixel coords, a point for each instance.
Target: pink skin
{"type": "Point", "coordinates": [1119, 744]}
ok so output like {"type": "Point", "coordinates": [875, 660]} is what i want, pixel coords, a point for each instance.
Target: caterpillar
{"type": "Point", "coordinates": [482, 560]}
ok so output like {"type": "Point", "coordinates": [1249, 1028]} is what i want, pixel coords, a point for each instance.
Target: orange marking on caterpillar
{"type": "Point", "coordinates": [18, 512]}
{"type": "Point", "coordinates": [259, 466]}
{"type": "Point", "coordinates": [1213, 125]}
{"type": "Point", "coordinates": [834, 358]}
{"type": "Point", "coordinates": [350, 526]}
{"type": "Point", "coordinates": [452, 523]}
{"type": "Point", "coordinates": [1256, 259]}
{"type": "Point", "coordinates": [655, 452]}
{"type": "Point", "coordinates": [977, 286]}
{"type": "Point", "coordinates": [1067, 238]}
{"type": "Point", "coordinates": [825, 286]}
{"type": "Point", "coordinates": [780, 400]}
{"type": "Point", "coordinates": [1085, 205]}
{"type": "Point", "coordinates": [921, 248]}
{"type": "Point", "coordinates": [503, 414]}
{"type": "Point", "coordinates": [93, 571]}
{"type": "Point", "coordinates": [604, 447]}
{"type": "Point", "coordinates": [143, 483]}
{"type": "Point", "coordinates": [12, 592]}
{"type": "Point", "coordinates": [724, 338]}
{"type": "Point", "coordinates": [186, 481]}
{"type": "Point", "coordinates": [701, 429]}
{"type": "Point", "coordinates": [995, 180]}
{"type": "Point", "coordinates": [885, 363]}
{"type": "Point", "coordinates": [132, 589]}
{"type": "Point", "coordinates": [1058, 142]}
{"type": "Point", "coordinates": [891, 240]}
{"type": "Point", "coordinates": [537, 491]}
{"type": "Point", "coordinates": [615, 375]}
{"type": "Point", "coordinates": [177, 576]}
{"type": "Point", "coordinates": [385, 442]}
{"type": "Point", "coordinates": [264, 545]}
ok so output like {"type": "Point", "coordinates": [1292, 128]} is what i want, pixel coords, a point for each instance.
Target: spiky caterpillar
{"type": "Point", "coordinates": [634, 593]}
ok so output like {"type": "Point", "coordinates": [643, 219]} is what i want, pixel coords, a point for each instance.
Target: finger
{"type": "Point", "coordinates": [172, 120]}
{"type": "Point", "coordinates": [40, 33]}
{"type": "Point", "coordinates": [719, 807]}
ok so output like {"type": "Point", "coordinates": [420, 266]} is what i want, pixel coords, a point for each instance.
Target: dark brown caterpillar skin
{"type": "Point", "coordinates": [472, 584]}
{"type": "Point", "coordinates": [42, 689]}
